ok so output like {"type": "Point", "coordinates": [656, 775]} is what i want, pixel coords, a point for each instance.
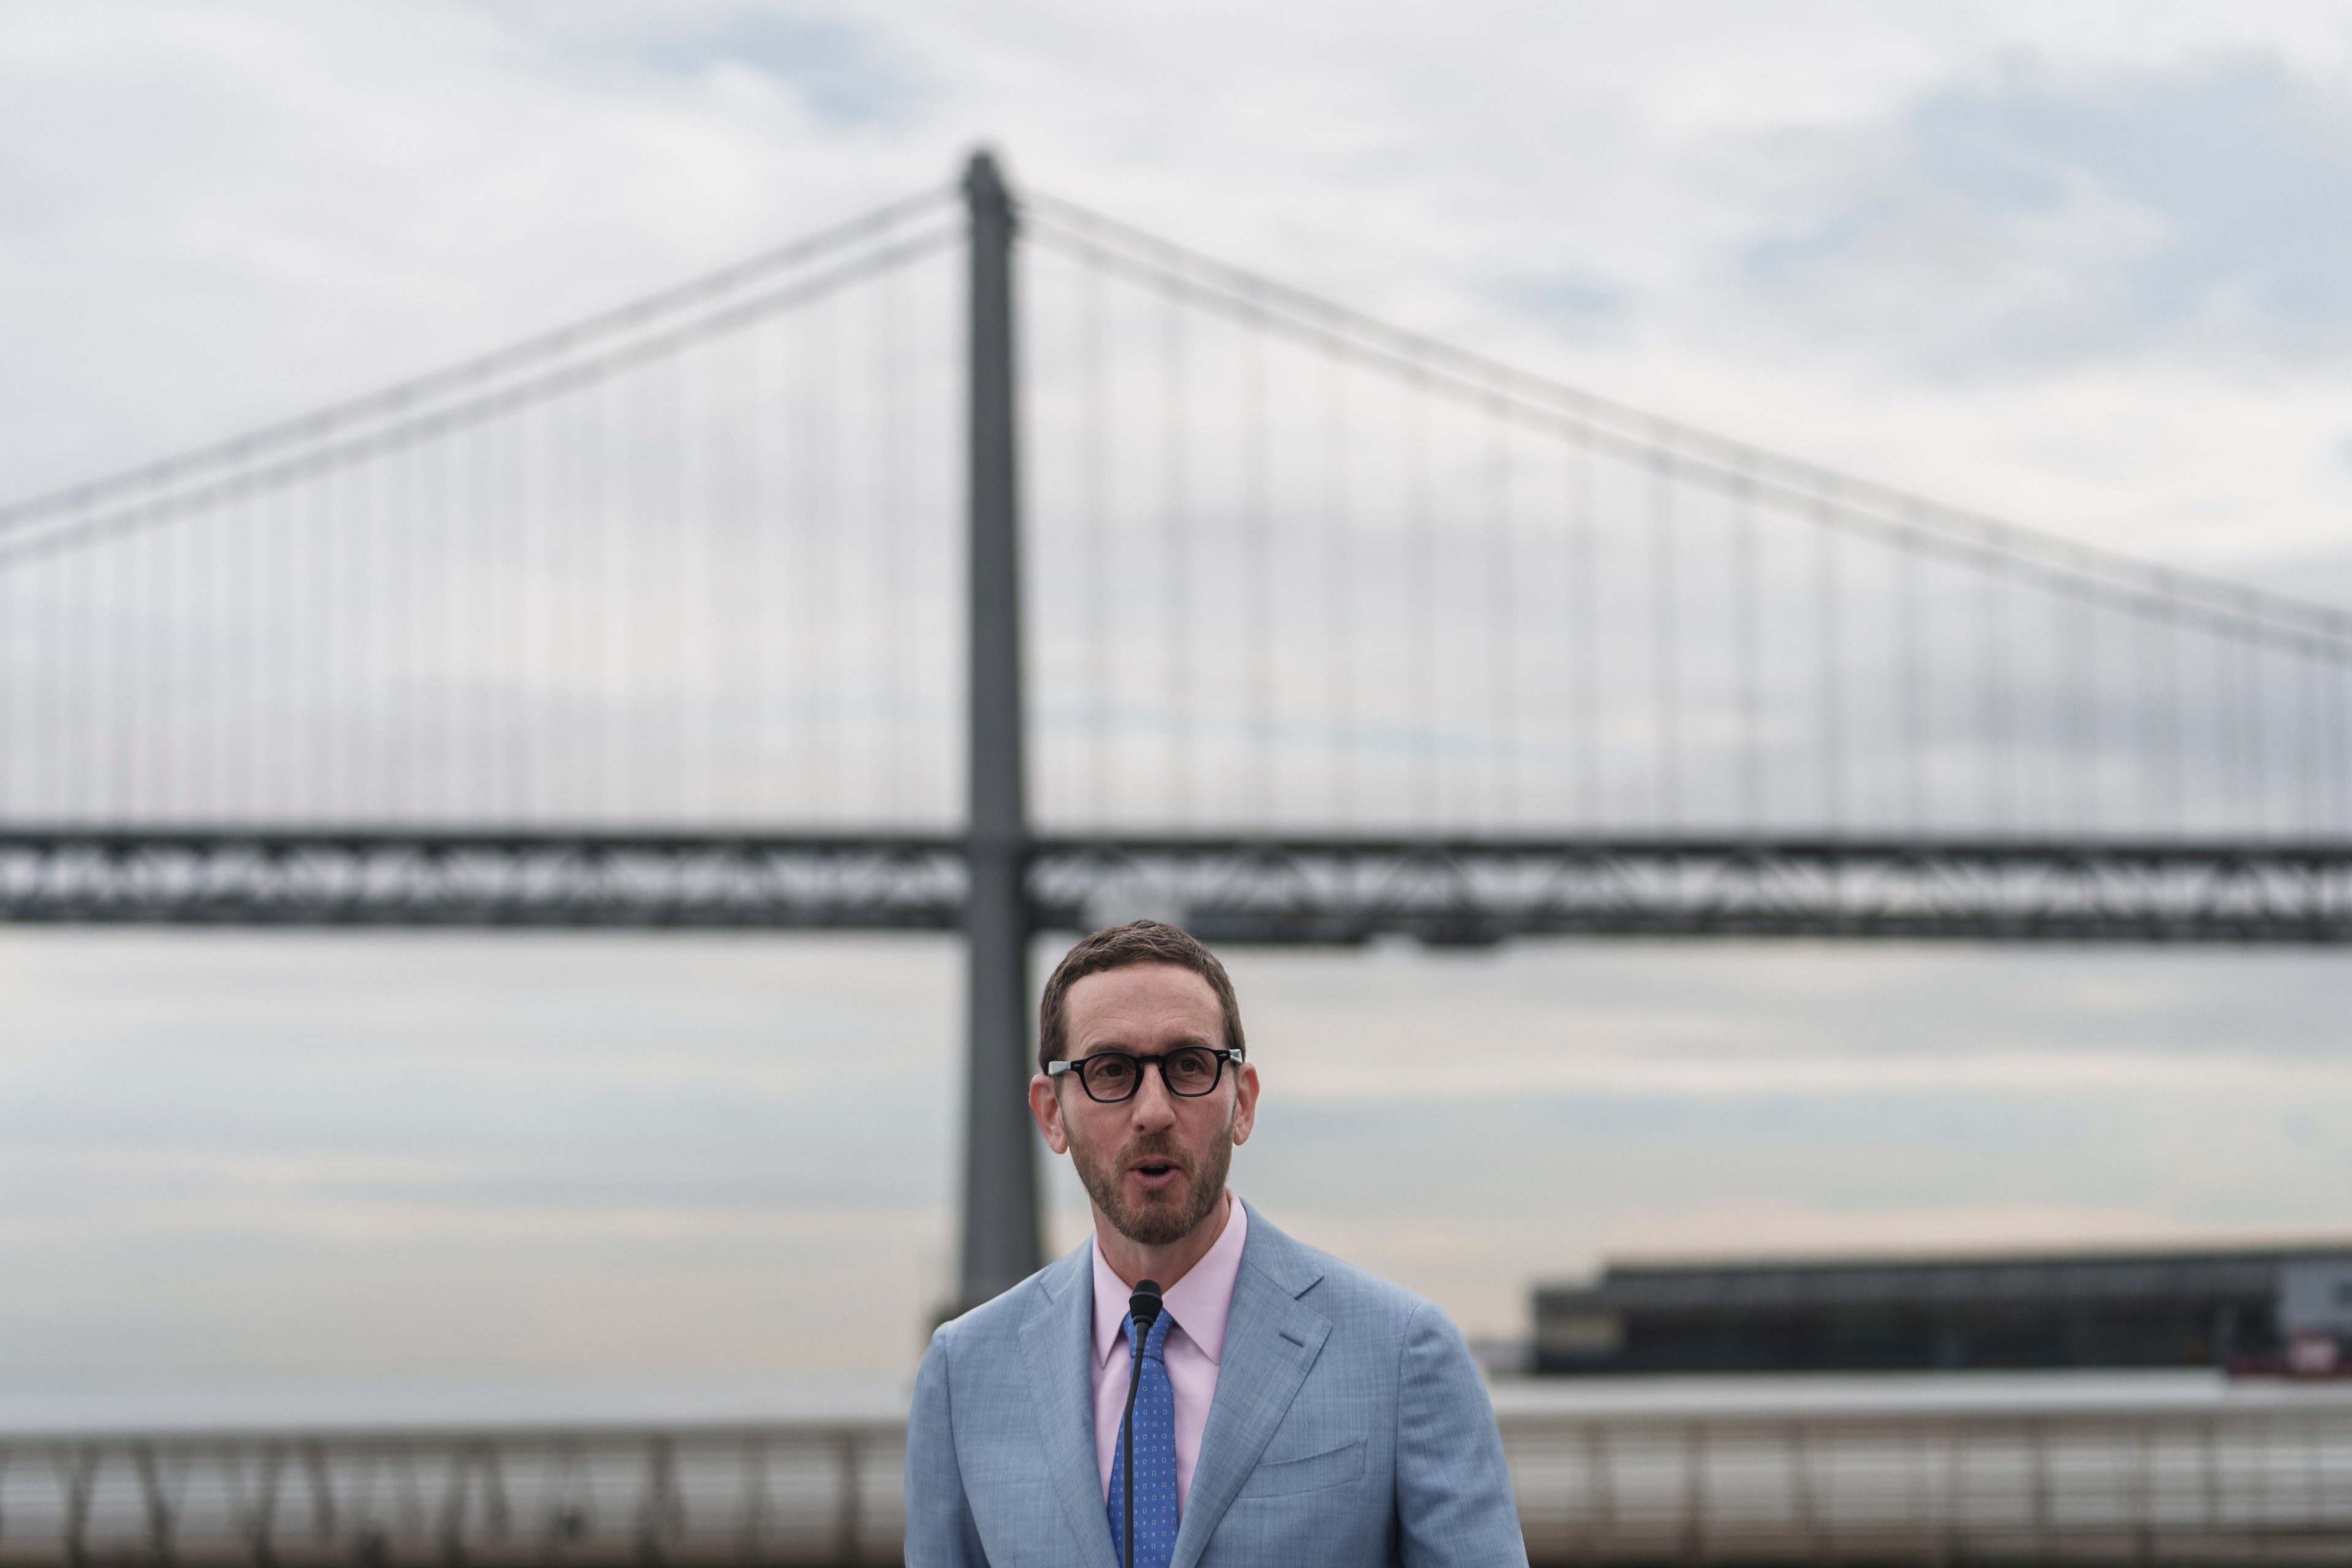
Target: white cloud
{"type": "Point", "coordinates": [222, 211]}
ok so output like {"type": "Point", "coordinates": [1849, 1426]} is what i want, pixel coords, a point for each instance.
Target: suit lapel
{"type": "Point", "coordinates": [1055, 1342]}
{"type": "Point", "coordinates": [1271, 1340]}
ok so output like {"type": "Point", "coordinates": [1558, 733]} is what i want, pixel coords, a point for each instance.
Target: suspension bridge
{"type": "Point", "coordinates": [987, 565]}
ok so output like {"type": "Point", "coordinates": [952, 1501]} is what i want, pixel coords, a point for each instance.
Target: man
{"type": "Point", "coordinates": [1289, 1410]}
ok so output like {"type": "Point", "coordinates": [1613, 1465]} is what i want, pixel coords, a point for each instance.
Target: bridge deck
{"type": "Point", "coordinates": [1273, 890]}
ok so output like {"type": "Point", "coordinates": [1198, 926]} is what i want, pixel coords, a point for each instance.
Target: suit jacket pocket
{"type": "Point", "coordinates": [1334, 1468]}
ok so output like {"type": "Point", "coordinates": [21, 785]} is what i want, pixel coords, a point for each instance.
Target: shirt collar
{"type": "Point", "coordinates": [1200, 1303]}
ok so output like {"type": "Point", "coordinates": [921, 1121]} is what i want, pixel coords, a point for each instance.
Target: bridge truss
{"type": "Point", "coordinates": [1265, 891]}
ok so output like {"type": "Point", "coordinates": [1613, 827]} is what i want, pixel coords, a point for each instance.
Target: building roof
{"type": "Point", "coordinates": [1699, 1287]}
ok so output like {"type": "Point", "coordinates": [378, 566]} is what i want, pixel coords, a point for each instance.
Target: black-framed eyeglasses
{"type": "Point", "coordinates": [1110, 1076]}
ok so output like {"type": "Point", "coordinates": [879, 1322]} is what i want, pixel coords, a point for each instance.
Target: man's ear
{"type": "Point", "coordinates": [1244, 1100]}
{"type": "Point", "coordinates": [1046, 1106]}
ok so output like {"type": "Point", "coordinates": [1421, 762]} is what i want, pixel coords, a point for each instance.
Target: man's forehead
{"type": "Point", "coordinates": [1144, 993]}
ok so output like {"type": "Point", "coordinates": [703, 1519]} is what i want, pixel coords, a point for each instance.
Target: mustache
{"type": "Point", "coordinates": [1156, 1146]}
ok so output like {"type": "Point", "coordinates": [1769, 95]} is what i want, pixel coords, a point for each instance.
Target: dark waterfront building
{"type": "Point", "coordinates": [2250, 1311]}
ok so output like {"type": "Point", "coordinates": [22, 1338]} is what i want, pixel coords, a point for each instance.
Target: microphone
{"type": "Point", "coordinates": [1143, 1311]}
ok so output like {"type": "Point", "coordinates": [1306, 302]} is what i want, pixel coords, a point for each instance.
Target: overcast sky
{"type": "Point", "coordinates": [2084, 266]}
{"type": "Point", "coordinates": [2079, 264]}
{"type": "Point", "coordinates": [337, 1175]}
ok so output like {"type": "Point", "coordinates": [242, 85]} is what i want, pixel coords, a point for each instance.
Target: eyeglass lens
{"type": "Point", "coordinates": [1189, 1069]}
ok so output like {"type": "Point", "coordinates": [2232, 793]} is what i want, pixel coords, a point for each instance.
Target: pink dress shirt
{"type": "Point", "coordinates": [1198, 1302]}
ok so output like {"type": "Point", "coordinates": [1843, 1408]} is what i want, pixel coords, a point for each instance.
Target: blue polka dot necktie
{"type": "Point", "coordinates": [1155, 1454]}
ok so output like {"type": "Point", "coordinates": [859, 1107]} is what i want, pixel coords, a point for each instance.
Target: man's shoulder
{"type": "Point", "coordinates": [1001, 1318]}
{"type": "Point", "coordinates": [1352, 1296]}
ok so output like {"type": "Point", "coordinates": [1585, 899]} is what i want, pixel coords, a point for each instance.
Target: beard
{"type": "Point", "coordinates": [1159, 1219]}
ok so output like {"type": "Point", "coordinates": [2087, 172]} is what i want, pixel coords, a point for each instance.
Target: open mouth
{"type": "Point", "coordinates": [1154, 1169]}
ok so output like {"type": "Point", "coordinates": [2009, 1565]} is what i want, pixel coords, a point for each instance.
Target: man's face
{"type": "Point", "coordinates": [1154, 1165]}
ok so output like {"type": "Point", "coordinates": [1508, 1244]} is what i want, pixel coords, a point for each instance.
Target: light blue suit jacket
{"type": "Point", "coordinates": [1350, 1428]}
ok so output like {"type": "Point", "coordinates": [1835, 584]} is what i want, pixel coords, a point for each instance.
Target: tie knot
{"type": "Point", "coordinates": [1155, 1341]}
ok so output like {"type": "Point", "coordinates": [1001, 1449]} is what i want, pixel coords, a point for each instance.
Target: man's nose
{"type": "Point", "coordinates": [1152, 1105]}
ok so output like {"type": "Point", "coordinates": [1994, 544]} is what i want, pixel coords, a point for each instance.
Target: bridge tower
{"type": "Point", "coordinates": [1002, 1244]}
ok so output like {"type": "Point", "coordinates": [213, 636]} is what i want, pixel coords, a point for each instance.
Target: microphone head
{"type": "Point", "coordinates": [1144, 1305]}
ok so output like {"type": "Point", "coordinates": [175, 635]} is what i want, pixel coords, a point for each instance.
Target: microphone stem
{"type": "Point", "coordinates": [1127, 1434]}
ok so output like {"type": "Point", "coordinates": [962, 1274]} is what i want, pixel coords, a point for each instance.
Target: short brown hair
{"type": "Point", "coordinates": [1122, 947]}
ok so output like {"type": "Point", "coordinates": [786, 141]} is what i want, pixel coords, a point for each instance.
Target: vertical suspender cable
{"type": "Point", "coordinates": [678, 522]}
{"type": "Point", "coordinates": [557, 661]}
{"type": "Point", "coordinates": [802, 529]}
{"type": "Point", "coordinates": [13, 742]}
{"type": "Point", "coordinates": [613, 620]}
{"type": "Point", "coordinates": [1340, 652]}
{"type": "Point", "coordinates": [466, 543]}
{"type": "Point", "coordinates": [1178, 559]}
{"type": "Point", "coordinates": [113, 718]}
{"type": "Point", "coordinates": [205, 696]}
{"type": "Point", "coordinates": [1420, 587]}
{"type": "Point", "coordinates": [157, 755]}
{"type": "Point", "coordinates": [2228, 726]}
{"type": "Point", "coordinates": [2307, 731]}
{"type": "Point", "coordinates": [157, 758]}
{"type": "Point", "coordinates": [1828, 602]}
{"type": "Point", "coordinates": [489, 536]}
{"type": "Point", "coordinates": [139, 585]}
{"type": "Point", "coordinates": [561, 660]}
{"type": "Point", "coordinates": [2079, 741]}
{"type": "Point", "coordinates": [1914, 680]}
{"type": "Point", "coordinates": [2339, 722]}
{"type": "Point", "coordinates": [728, 712]}
{"type": "Point", "coordinates": [224, 613]}
{"type": "Point", "coordinates": [280, 660]}
{"type": "Point", "coordinates": [350, 759]}
{"type": "Point", "coordinates": [1748, 640]}
{"type": "Point", "coordinates": [23, 763]}
{"type": "Point", "coordinates": [404, 739]}
{"type": "Point", "coordinates": [571, 657]}
{"type": "Point", "coordinates": [72, 577]}
{"type": "Point", "coordinates": [2257, 731]}
{"type": "Point", "coordinates": [115, 737]}
{"type": "Point", "coordinates": [890, 497]}
{"type": "Point", "coordinates": [77, 676]}
{"type": "Point", "coordinates": [633, 691]}
{"type": "Point", "coordinates": [128, 698]}
{"type": "Point", "coordinates": [511, 616]}
{"type": "Point", "coordinates": [768, 690]}
{"type": "Point", "coordinates": [824, 564]}
{"type": "Point", "coordinates": [1992, 739]}
{"type": "Point", "coordinates": [348, 629]}
{"type": "Point", "coordinates": [456, 538]}
{"type": "Point", "coordinates": [458, 541]}
{"type": "Point", "coordinates": [2145, 633]}
{"type": "Point", "coordinates": [318, 693]}
{"type": "Point", "coordinates": [1583, 608]}
{"type": "Point", "coordinates": [436, 716]}
{"type": "Point", "coordinates": [1503, 746]}
{"type": "Point", "coordinates": [1664, 646]}
{"type": "Point", "coordinates": [905, 679]}
{"type": "Point", "coordinates": [1258, 577]}
{"type": "Point", "coordinates": [1097, 541]}
{"type": "Point", "coordinates": [2173, 718]}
